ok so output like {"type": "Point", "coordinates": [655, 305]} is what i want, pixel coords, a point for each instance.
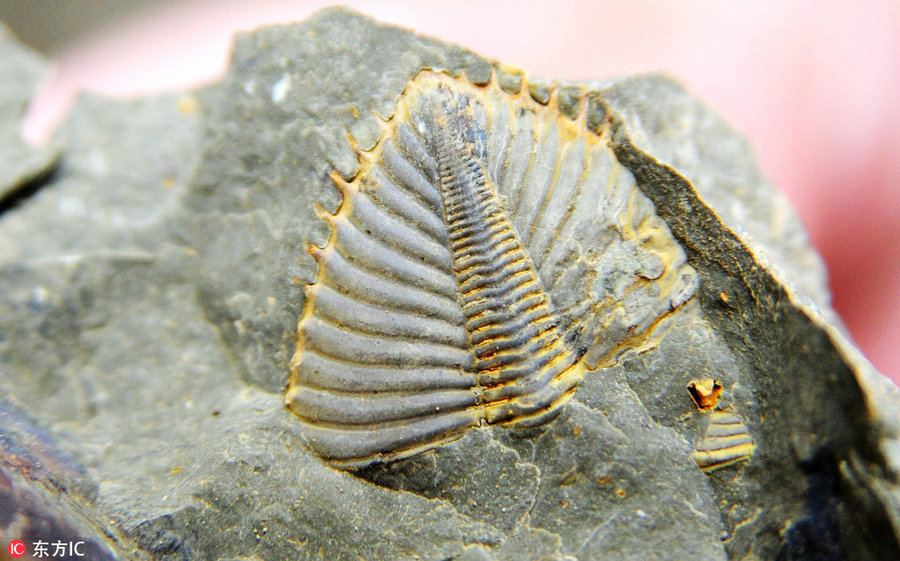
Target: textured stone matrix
{"type": "Point", "coordinates": [153, 269]}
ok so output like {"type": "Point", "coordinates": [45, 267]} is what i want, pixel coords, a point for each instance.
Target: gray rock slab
{"type": "Point", "coordinates": [21, 166]}
{"type": "Point", "coordinates": [151, 291]}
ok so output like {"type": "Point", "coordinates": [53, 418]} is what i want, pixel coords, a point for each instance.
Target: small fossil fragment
{"type": "Point", "coordinates": [705, 393]}
{"type": "Point", "coordinates": [727, 441]}
{"type": "Point", "coordinates": [464, 282]}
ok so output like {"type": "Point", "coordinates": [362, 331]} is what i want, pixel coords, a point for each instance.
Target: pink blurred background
{"type": "Point", "coordinates": [815, 85]}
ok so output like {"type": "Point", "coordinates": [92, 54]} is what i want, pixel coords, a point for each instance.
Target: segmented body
{"type": "Point", "coordinates": [727, 441]}
{"type": "Point", "coordinates": [456, 291]}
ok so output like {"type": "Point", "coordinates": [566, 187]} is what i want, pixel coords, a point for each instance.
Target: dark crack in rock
{"type": "Point", "coordinates": [151, 289]}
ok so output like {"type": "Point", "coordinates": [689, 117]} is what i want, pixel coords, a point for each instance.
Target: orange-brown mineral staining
{"type": "Point", "coordinates": [705, 393]}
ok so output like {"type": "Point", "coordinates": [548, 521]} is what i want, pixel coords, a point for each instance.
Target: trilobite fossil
{"type": "Point", "coordinates": [489, 253]}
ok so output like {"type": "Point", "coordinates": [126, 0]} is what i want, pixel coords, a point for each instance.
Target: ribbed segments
{"type": "Point", "coordinates": [512, 333]}
{"type": "Point", "coordinates": [428, 317]}
{"type": "Point", "coordinates": [382, 368]}
{"type": "Point", "coordinates": [727, 441]}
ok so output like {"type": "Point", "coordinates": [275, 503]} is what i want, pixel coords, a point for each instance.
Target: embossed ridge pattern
{"type": "Point", "coordinates": [467, 279]}
{"type": "Point", "coordinates": [727, 441]}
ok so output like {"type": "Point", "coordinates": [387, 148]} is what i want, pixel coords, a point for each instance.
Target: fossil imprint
{"type": "Point", "coordinates": [727, 441]}
{"type": "Point", "coordinates": [489, 253]}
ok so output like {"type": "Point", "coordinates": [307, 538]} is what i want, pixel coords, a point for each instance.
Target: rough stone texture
{"type": "Point", "coordinates": [151, 289]}
{"type": "Point", "coordinates": [21, 166]}
{"type": "Point", "coordinates": [677, 130]}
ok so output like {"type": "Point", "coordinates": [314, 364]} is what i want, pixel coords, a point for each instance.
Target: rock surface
{"type": "Point", "coordinates": [22, 167]}
{"type": "Point", "coordinates": [152, 286]}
